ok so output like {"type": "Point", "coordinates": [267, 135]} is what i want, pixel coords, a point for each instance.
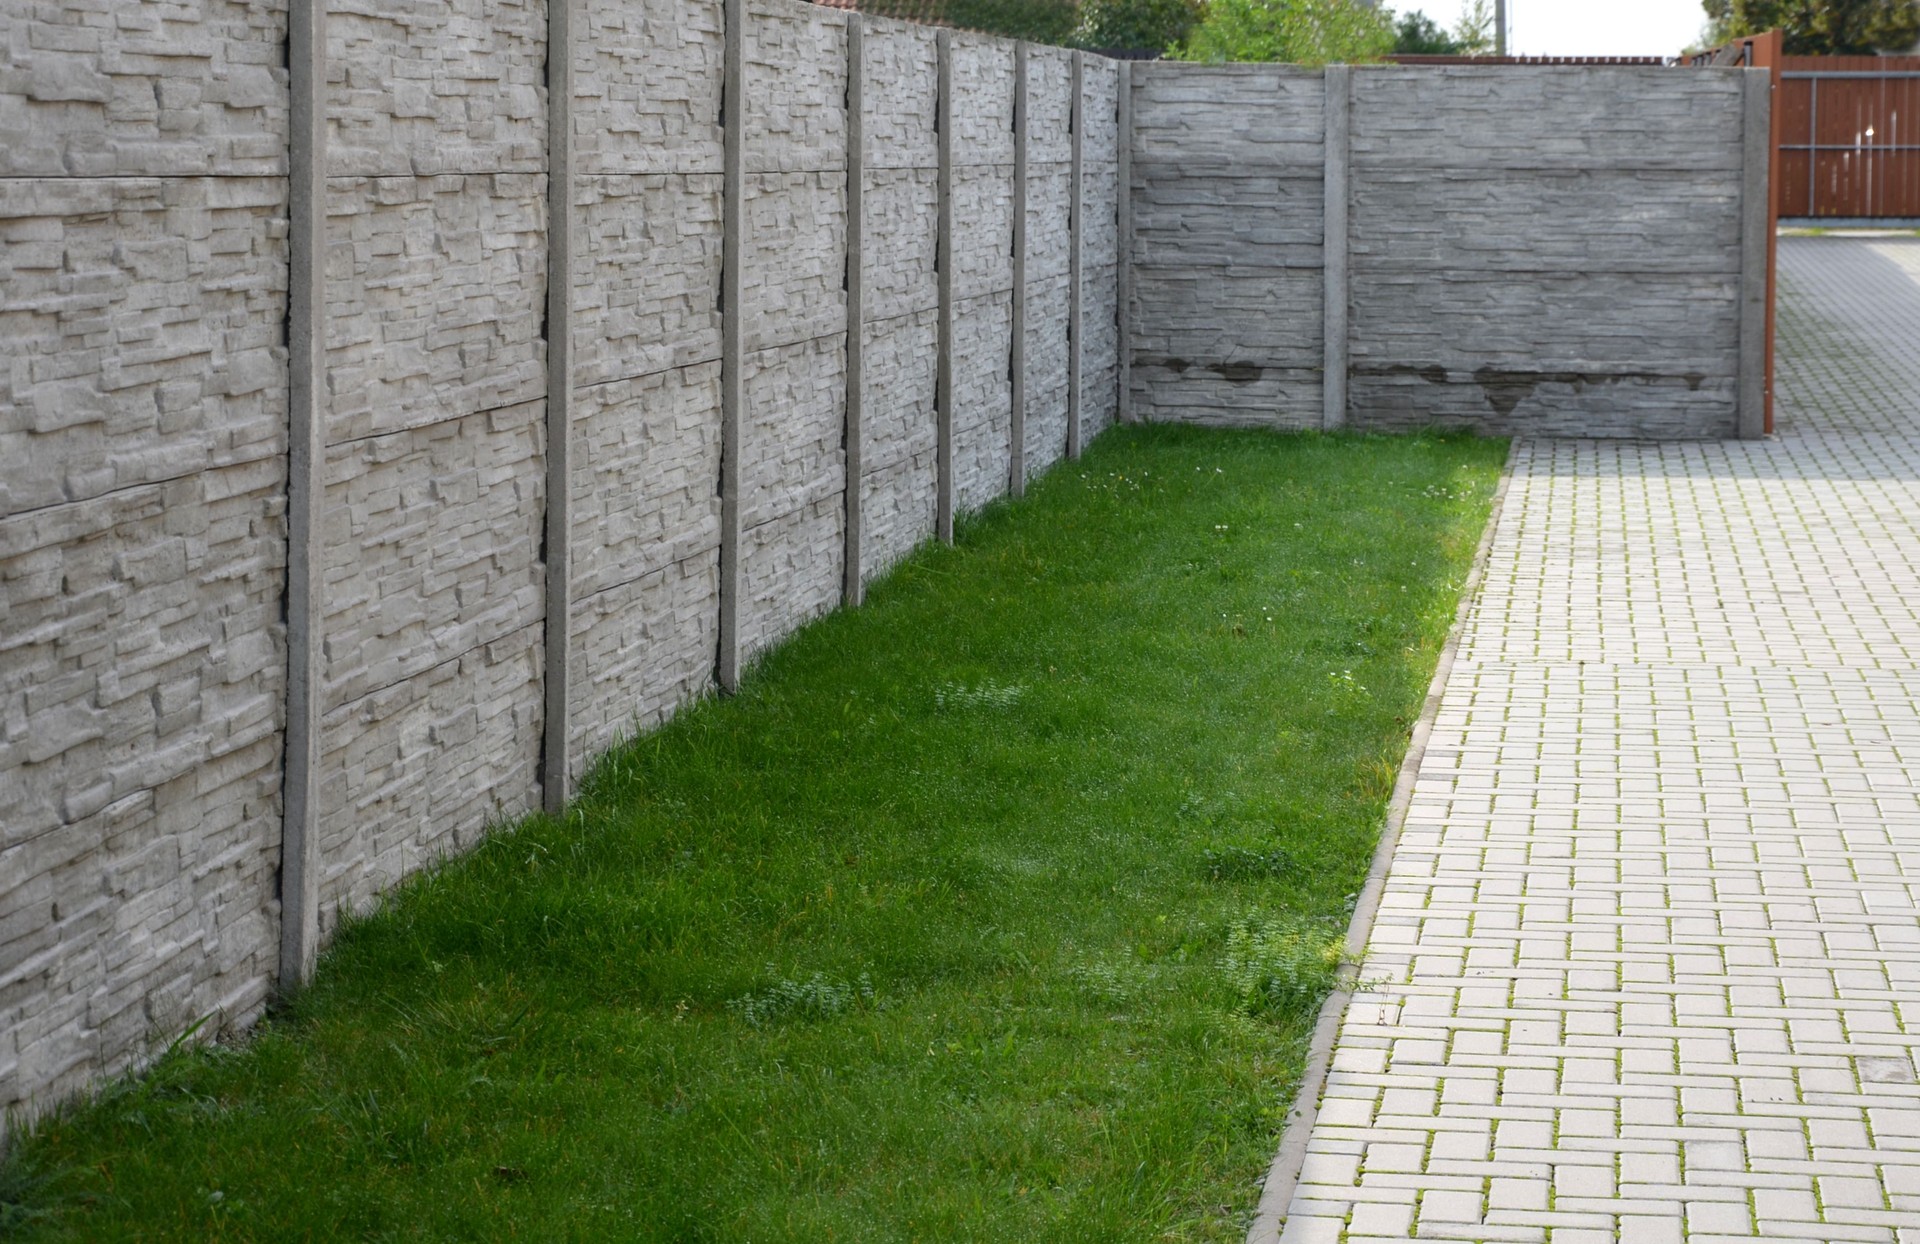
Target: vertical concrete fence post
{"type": "Point", "coordinates": [1123, 142]}
{"type": "Point", "coordinates": [1756, 156]}
{"type": "Point", "coordinates": [943, 264]}
{"type": "Point", "coordinates": [1017, 376]}
{"type": "Point", "coordinates": [1338, 158]}
{"type": "Point", "coordinates": [854, 588]}
{"type": "Point", "coordinates": [306, 459]}
{"type": "Point", "coordinates": [555, 773]}
{"type": "Point", "coordinates": [1075, 337]}
{"type": "Point", "coordinates": [733, 194]}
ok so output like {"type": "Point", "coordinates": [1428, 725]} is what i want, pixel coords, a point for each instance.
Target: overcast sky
{"type": "Point", "coordinates": [1585, 27]}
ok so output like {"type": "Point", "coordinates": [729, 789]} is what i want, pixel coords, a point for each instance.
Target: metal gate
{"type": "Point", "coordinates": [1849, 134]}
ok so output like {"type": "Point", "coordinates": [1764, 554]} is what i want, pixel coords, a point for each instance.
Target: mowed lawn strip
{"type": "Point", "coordinates": [998, 909]}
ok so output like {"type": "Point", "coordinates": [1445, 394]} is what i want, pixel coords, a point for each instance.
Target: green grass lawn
{"type": "Point", "coordinates": [998, 909]}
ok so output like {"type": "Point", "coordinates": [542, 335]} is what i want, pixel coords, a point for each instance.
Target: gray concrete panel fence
{"type": "Point", "coordinates": [1564, 250]}
{"type": "Point", "coordinates": [380, 442]}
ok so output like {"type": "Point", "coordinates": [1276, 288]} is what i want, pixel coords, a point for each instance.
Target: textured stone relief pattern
{"type": "Point", "coordinates": [900, 93]}
{"type": "Point", "coordinates": [420, 87]}
{"type": "Point", "coordinates": [793, 429]}
{"type": "Point", "coordinates": [794, 253]}
{"type": "Point", "coordinates": [898, 418]}
{"type": "Point", "coordinates": [140, 332]}
{"type": "Point", "coordinates": [143, 90]}
{"type": "Point", "coordinates": [1100, 363]}
{"type": "Point", "coordinates": [646, 274]}
{"type": "Point", "coordinates": [420, 770]}
{"type": "Point", "coordinates": [982, 399]}
{"type": "Point", "coordinates": [1049, 105]}
{"type": "Point", "coordinates": [646, 539]}
{"type": "Point", "coordinates": [1546, 257]}
{"type": "Point", "coordinates": [646, 475]}
{"type": "Point", "coordinates": [142, 678]}
{"type": "Point", "coordinates": [1100, 242]}
{"type": "Point", "coordinates": [1228, 226]}
{"type": "Point", "coordinates": [145, 280]}
{"type": "Point", "coordinates": [643, 648]}
{"type": "Point", "coordinates": [431, 540]}
{"type": "Point", "coordinates": [1046, 350]}
{"type": "Point", "coordinates": [796, 70]}
{"type": "Point", "coordinates": [899, 423]}
{"type": "Point", "coordinates": [436, 293]}
{"type": "Point", "coordinates": [647, 80]}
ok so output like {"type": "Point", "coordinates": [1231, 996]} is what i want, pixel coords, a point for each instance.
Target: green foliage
{"type": "Point", "coordinates": [1474, 31]}
{"type": "Point", "coordinates": [1300, 32]}
{"type": "Point", "coordinates": [1137, 25]}
{"type": "Point", "coordinates": [996, 910]}
{"type": "Point", "coordinates": [1416, 34]}
{"type": "Point", "coordinates": [1819, 27]}
{"type": "Point", "coordinates": [1273, 962]}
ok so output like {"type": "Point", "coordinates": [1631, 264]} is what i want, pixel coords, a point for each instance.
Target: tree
{"type": "Point", "coordinates": [1416, 34]}
{"type": "Point", "coordinates": [1302, 32]}
{"type": "Point", "coordinates": [1819, 27]}
{"type": "Point", "coordinates": [1474, 31]}
{"type": "Point", "coordinates": [1137, 25]}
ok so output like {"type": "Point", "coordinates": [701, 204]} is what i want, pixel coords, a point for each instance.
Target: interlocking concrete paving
{"type": "Point", "coordinates": [1647, 966]}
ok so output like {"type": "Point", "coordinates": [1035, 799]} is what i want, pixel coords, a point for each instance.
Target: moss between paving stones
{"type": "Point", "coordinates": [996, 910]}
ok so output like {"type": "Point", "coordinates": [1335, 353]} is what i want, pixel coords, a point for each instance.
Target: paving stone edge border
{"type": "Point", "coordinates": [1276, 1192]}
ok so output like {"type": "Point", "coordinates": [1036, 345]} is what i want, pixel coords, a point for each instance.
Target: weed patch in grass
{"type": "Point", "coordinates": [996, 910]}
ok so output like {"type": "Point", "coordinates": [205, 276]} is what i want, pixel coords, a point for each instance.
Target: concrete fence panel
{"type": "Point", "coordinates": [1550, 250]}
{"type": "Point", "coordinates": [399, 405]}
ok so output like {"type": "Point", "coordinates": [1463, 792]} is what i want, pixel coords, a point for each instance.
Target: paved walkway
{"type": "Point", "coordinates": [1648, 963]}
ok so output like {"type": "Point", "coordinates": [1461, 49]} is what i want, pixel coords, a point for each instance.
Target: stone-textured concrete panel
{"type": "Point", "coordinates": [189, 88]}
{"type": "Point", "coordinates": [982, 399]}
{"type": "Point", "coordinates": [794, 257]}
{"type": "Point", "coordinates": [982, 99]}
{"type": "Point", "coordinates": [1666, 323]}
{"type": "Point", "coordinates": [1518, 221]}
{"type": "Point", "coordinates": [1049, 105]}
{"type": "Point", "coordinates": [898, 491]}
{"type": "Point", "coordinates": [384, 813]}
{"type": "Point", "coordinates": [431, 545]}
{"type": "Point", "coordinates": [647, 86]}
{"type": "Point", "coordinates": [1100, 223]}
{"type": "Point", "coordinates": [1046, 412]}
{"type": "Point", "coordinates": [1230, 221]}
{"type": "Point", "coordinates": [1203, 316]}
{"type": "Point", "coordinates": [1244, 119]}
{"type": "Point", "coordinates": [646, 274]}
{"type": "Point", "coordinates": [436, 292]}
{"type": "Point", "coordinates": [1049, 189]}
{"type": "Point", "coordinates": [796, 71]}
{"type": "Point", "coordinates": [793, 431]}
{"type": "Point", "coordinates": [901, 208]}
{"type": "Point", "coordinates": [646, 475]}
{"type": "Point", "coordinates": [792, 565]}
{"type": "Point", "coordinates": [1546, 117]}
{"type": "Point", "coordinates": [1100, 363]}
{"type": "Point", "coordinates": [1529, 402]}
{"type": "Point", "coordinates": [901, 95]}
{"type": "Point", "coordinates": [1100, 86]}
{"type": "Point", "coordinates": [140, 332]}
{"type": "Point", "coordinates": [1227, 395]}
{"type": "Point", "coordinates": [641, 649]}
{"type": "Point", "coordinates": [982, 230]}
{"type": "Point", "coordinates": [142, 683]}
{"type": "Point", "coordinates": [420, 87]}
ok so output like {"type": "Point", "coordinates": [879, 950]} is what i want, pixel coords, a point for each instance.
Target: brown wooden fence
{"type": "Point", "coordinates": [1849, 134]}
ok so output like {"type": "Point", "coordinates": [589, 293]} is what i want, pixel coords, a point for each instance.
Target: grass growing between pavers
{"type": "Point", "coordinates": [998, 909]}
